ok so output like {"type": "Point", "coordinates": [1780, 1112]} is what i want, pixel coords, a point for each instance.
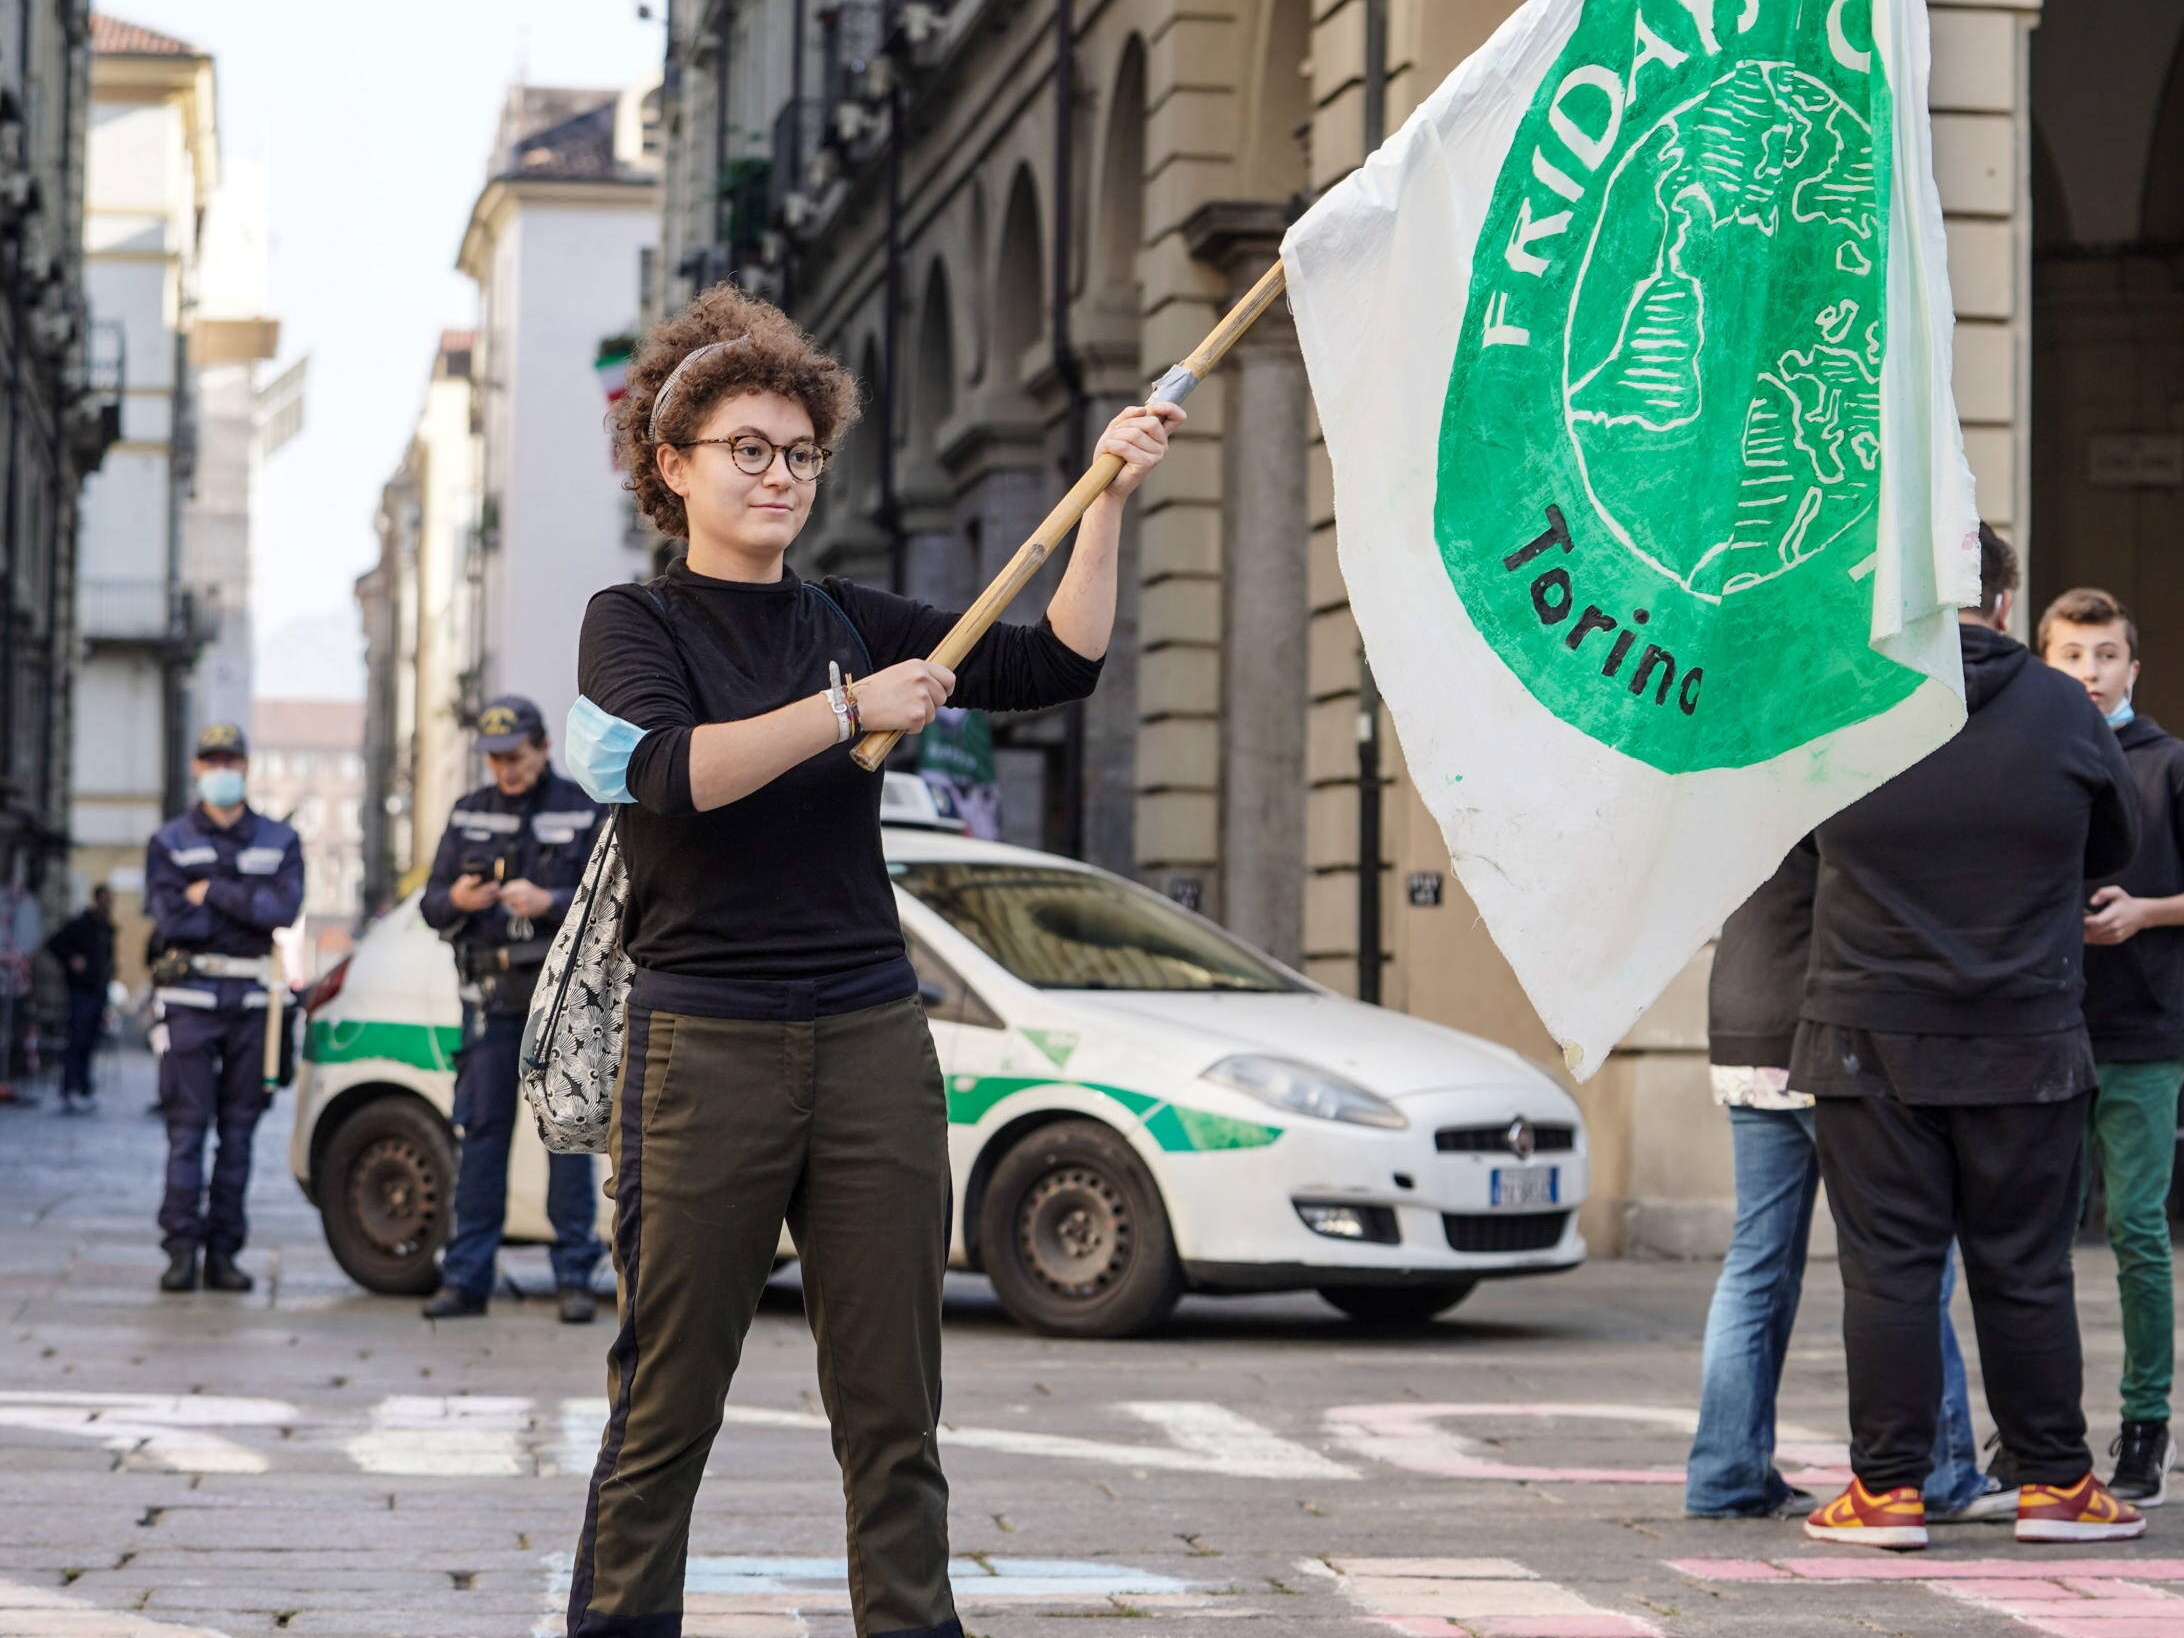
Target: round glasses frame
{"type": "Point", "coordinates": [744, 449]}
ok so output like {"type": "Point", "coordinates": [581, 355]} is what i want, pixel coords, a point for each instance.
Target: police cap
{"type": "Point", "coordinates": [222, 739]}
{"type": "Point", "coordinates": [507, 723]}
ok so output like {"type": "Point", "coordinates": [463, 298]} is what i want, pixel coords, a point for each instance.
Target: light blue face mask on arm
{"type": "Point", "coordinates": [598, 747]}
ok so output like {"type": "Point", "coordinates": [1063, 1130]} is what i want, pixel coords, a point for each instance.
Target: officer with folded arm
{"type": "Point", "coordinates": [219, 881]}
{"type": "Point", "coordinates": [509, 862]}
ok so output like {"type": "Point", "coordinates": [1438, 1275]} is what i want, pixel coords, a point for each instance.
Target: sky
{"type": "Point", "coordinates": [374, 124]}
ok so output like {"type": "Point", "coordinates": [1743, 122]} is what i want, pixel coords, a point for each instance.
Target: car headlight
{"type": "Point", "coordinates": [1304, 1089]}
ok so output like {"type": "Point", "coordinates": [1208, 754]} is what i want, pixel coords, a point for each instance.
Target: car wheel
{"type": "Point", "coordinates": [1398, 1304]}
{"type": "Point", "coordinates": [387, 1196]}
{"type": "Point", "coordinates": [1074, 1235]}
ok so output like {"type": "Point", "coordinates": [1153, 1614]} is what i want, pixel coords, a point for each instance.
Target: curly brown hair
{"type": "Point", "coordinates": [771, 355]}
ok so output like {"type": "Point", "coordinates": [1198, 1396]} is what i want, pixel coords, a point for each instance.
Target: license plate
{"type": "Point", "coordinates": [1533, 1186]}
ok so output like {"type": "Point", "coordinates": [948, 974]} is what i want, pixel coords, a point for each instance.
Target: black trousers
{"type": "Point", "coordinates": [2003, 1181]}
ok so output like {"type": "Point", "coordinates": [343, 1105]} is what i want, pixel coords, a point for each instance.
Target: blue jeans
{"type": "Point", "coordinates": [485, 1109]}
{"type": "Point", "coordinates": [1732, 1471]}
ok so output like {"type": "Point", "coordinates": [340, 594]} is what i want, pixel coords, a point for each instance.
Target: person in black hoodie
{"type": "Point", "coordinates": [2134, 1011]}
{"type": "Point", "coordinates": [85, 949]}
{"type": "Point", "coordinates": [1942, 1036]}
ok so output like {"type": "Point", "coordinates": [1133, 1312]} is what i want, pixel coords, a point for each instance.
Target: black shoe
{"type": "Point", "coordinates": [221, 1274]}
{"type": "Point", "coordinates": [2144, 1453]}
{"type": "Point", "coordinates": [453, 1302]}
{"type": "Point", "coordinates": [577, 1305]}
{"type": "Point", "coordinates": [1795, 1504]}
{"type": "Point", "coordinates": [181, 1272]}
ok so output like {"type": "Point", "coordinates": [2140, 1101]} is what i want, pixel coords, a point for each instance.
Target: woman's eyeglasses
{"type": "Point", "coordinates": [754, 454]}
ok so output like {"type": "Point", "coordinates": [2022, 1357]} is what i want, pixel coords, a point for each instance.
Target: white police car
{"type": "Point", "coordinates": [1139, 1105]}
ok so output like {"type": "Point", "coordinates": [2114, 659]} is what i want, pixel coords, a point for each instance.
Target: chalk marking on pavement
{"type": "Point", "coordinates": [2081, 1598]}
{"type": "Point", "coordinates": [163, 1430]}
{"type": "Point", "coordinates": [34, 1612]}
{"type": "Point", "coordinates": [458, 1436]}
{"type": "Point", "coordinates": [1489, 1598]}
{"type": "Point", "coordinates": [2090, 1609]}
{"type": "Point", "coordinates": [1873, 1567]}
{"type": "Point", "coordinates": [1411, 1436]}
{"type": "Point", "coordinates": [768, 1596]}
{"type": "Point", "coordinates": [1206, 1438]}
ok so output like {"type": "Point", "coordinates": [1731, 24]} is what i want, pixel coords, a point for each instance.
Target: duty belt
{"type": "Point", "coordinates": [220, 966]}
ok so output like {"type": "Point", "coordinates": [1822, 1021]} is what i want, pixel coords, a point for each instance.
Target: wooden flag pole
{"type": "Point", "coordinates": [1173, 388]}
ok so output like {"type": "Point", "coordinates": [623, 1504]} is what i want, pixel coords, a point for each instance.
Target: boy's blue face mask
{"type": "Point", "coordinates": [598, 747]}
{"type": "Point", "coordinates": [2122, 713]}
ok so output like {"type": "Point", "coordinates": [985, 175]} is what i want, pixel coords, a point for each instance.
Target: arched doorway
{"type": "Point", "coordinates": [2108, 320]}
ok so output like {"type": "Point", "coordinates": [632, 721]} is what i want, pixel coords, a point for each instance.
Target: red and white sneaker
{"type": "Point", "coordinates": [1895, 1519]}
{"type": "Point", "coordinates": [2085, 1511]}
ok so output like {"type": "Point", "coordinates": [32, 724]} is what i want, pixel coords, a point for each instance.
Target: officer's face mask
{"type": "Point", "coordinates": [598, 747]}
{"type": "Point", "coordinates": [221, 787]}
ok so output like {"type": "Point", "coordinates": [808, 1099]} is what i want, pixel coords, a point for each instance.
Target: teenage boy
{"type": "Point", "coordinates": [2134, 1011]}
{"type": "Point", "coordinates": [1943, 1037]}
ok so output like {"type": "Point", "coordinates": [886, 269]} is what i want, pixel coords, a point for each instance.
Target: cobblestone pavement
{"type": "Point", "coordinates": [313, 1460]}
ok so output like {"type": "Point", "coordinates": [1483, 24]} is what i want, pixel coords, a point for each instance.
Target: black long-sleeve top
{"type": "Point", "coordinates": [789, 882]}
{"type": "Point", "coordinates": [85, 949]}
{"type": "Point", "coordinates": [2134, 991]}
{"type": "Point", "coordinates": [1758, 980]}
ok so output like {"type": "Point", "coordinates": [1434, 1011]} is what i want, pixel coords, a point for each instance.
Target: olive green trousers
{"type": "Point", "coordinates": [725, 1128]}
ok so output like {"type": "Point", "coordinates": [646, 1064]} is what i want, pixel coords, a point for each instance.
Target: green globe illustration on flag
{"type": "Point", "coordinates": [1681, 351]}
{"type": "Point", "coordinates": [1661, 450]}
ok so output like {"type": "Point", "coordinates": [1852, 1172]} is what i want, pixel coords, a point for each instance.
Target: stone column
{"type": "Point", "coordinates": [1981, 100]}
{"type": "Point", "coordinates": [1266, 539]}
{"type": "Point", "coordinates": [1109, 789]}
{"type": "Point", "coordinates": [1002, 491]}
{"type": "Point", "coordinates": [937, 566]}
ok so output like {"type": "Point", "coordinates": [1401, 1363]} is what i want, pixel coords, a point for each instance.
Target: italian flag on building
{"type": "Point", "coordinates": [612, 366]}
{"type": "Point", "coordinates": [1632, 353]}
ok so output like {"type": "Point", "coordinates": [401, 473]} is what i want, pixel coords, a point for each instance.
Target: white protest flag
{"type": "Point", "coordinates": [1632, 353]}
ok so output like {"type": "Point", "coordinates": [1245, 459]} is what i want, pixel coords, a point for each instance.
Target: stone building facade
{"type": "Point", "coordinates": [59, 411]}
{"type": "Point", "coordinates": [1038, 204]}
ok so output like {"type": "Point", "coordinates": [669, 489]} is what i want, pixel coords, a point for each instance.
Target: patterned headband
{"type": "Point", "coordinates": [674, 378]}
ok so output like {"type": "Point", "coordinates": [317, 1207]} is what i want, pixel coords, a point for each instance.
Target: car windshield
{"type": "Point", "coordinates": [1072, 930]}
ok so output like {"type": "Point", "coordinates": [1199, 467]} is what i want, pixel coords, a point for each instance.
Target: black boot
{"type": "Point", "coordinates": [221, 1274]}
{"type": "Point", "coordinates": [453, 1302]}
{"type": "Point", "coordinates": [181, 1272]}
{"type": "Point", "coordinates": [577, 1305]}
{"type": "Point", "coordinates": [2144, 1454]}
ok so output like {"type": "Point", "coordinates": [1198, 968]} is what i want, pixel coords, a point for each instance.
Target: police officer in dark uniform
{"type": "Point", "coordinates": [509, 862]}
{"type": "Point", "coordinates": [218, 881]}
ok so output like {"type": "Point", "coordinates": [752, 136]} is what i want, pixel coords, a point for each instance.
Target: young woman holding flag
{"type": "Point", "coordinates": [778, 1065]}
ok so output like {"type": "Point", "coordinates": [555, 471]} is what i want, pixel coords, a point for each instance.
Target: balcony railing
{"type": "Point", "coordinates": [146, 609]}
{"type": "Point", "coordinates": [799, 129]}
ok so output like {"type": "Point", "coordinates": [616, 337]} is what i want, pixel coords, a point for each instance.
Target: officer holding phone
{"type": "Point", "coordinates": [509, 862]}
